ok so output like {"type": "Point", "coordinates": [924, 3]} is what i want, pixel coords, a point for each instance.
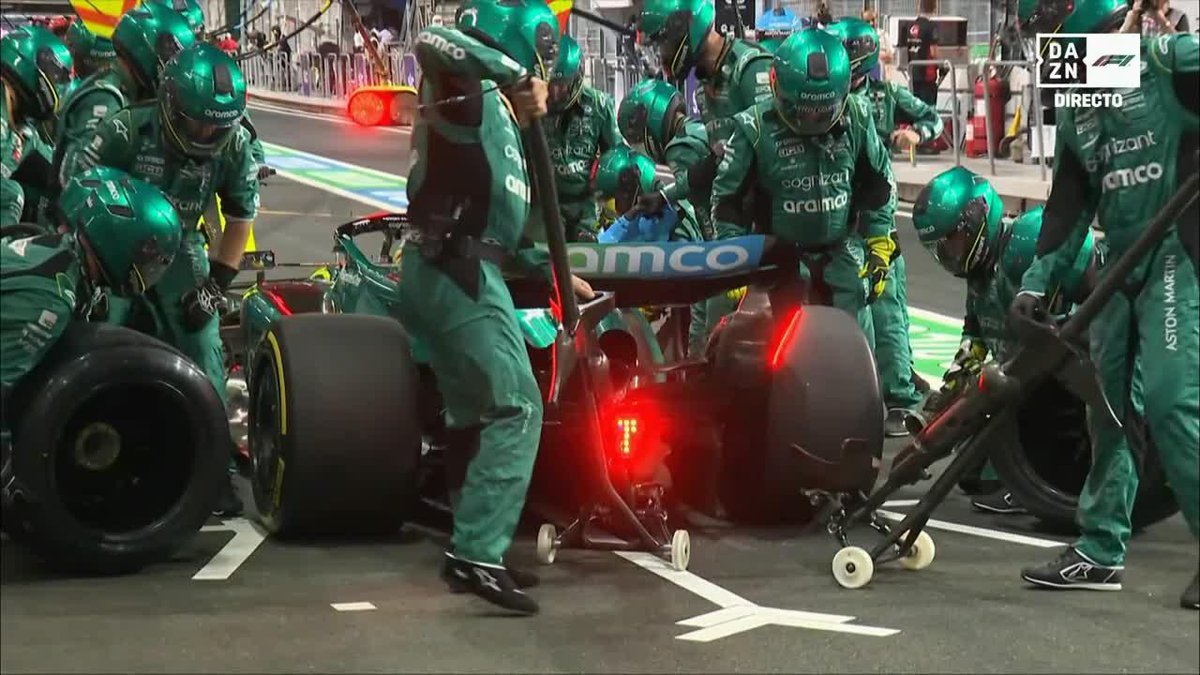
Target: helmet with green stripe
{"type": "Point", "coordinates": [37, 65]}
{"type": "Point", "coordinates": [650, 115]}
{"type": "Point", "coordinates": [201, 100]}
{"type": "Point", "coordinates": [623, 175]}
{"type": "Point", "coordinates": [810, 80]}
{"type": "Point", "coordinates": [525, 30]}
{"type": "Point", "coordinates": [126, 224]}
{"type": "Point", "coordinates": [958, 216]}
{"type": "Point", "coordinates": [89, 51]}
{"type": "Point", "coordinates": [147, 37]}
{"type": "Point", "coordinates": [566, 85]}
{"type": "Point", "coordinates": [862, 46]}
{"type": "Point", "coordinates": [191, 12]}
{"type": "Point", "coordinates": [677, 29]}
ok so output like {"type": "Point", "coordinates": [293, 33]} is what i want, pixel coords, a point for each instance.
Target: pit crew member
{"type": "Point", "coordinates": [889, 312]}
{"type": "Point", "coordinates": [581, 125]}
{"type": "Point", "coordinates": [119, 233]}
{"type": "Point", "coordinates": [623, 175]}
{"type": "Point", "coordinates": [90, 52]}
{"type": "Point", "coordinates": [190, 144]}
{"type": "Point", "coordinates": [1121, 166]}
{"type": "Point", "coordinates": [469, 195]}
{"type": "Point", "coordinates": [35, 69]}
{"type": "Point", "coordinates": [812, 155]}
{"type": "Point", "coordinates": [959, 219]}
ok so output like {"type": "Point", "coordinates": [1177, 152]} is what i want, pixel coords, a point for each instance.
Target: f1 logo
{"type": "Point", "coordinates": [1114, 60]}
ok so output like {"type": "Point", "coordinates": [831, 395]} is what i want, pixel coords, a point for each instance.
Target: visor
{"type": "Point", "coordinates": [564, 91]}
{"type": "Point", "coordinates": [671, 45]}
{"type": "Point", "coordinates": [965, 248]}
{"type": "Point", "coordinates": [859, 49]}
{"type": "Point", "coordinates": [198, 138]}
{"type": "Point", "coordinates": [633, 126]}
{"type": "Point", "coordinates": [55, 77]}
{"type": "Point", "coordinates": [809, 120]}
{"type": "Point", "coordinates": [546, 47]}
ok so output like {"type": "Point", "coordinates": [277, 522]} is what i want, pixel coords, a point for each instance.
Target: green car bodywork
{"type": "Point", "coordinates": [358, 284]}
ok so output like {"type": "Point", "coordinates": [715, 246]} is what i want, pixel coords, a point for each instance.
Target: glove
{"type": "Point", "coordinates": [650, 204]}
{"type": "Point", "coordinates": [736, 294]}
{"type": "Point", "coordinates": [968, 361]}
{"type": "Point", "coordinates": [1027, 306]}
{"type": "Point", "coordinates": [880, 251]}
{"type": "Point", "coordinates": [203, 303]}
{"type": "Point", "coordinates": [265, 172]}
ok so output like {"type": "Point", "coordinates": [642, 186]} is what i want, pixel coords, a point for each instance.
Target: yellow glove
{"type": "Point", "coordinates": [736, 294]}
{"type": "Point", "coordinates": [880, 251]}
{"type": "Point", "coordinates": [968, 361]}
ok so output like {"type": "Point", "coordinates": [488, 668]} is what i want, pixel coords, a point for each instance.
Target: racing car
{"type": "Point", "coordinates": [342, 415]}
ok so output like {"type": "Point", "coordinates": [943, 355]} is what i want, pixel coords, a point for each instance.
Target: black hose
{"type": "Point", "coordinates": [556, 238]}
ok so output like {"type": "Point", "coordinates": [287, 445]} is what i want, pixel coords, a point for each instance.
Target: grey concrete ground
{"type": "Point", "coordinates": [968, 612]}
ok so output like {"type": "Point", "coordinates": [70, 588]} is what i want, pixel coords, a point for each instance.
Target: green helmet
{"type": "Point", "coordinates": [89, 51]}
{"type": "Point", "coordinates": [1022, 244]}
{"type": "Point", "coordinates": [127, 224]}
{"type": "Point", "coordinates": [525, 30]}
{"type": "Point", "coordinates": [810, 80]}
{"type": "Point", "coordinates": [37, 65]}
{"type": "Point", "coordinates": [678, 29]}
{"type": "Point", "coordinates": [147, 37]}
{"type": "Point", "coordinates": [201, 100]}
{"type": "Point", "coordinates": [1041, 16]}
{"type": "Point", "coordinates": [191, 11]}
{"type": "Point", "coordinates": [622, 175]}
{"type": "Point", "coordinates": [567, 83]}
{"type": "Point", "coordinates": [1096, 16]}
{"type": "Point", "coordinates": [650, 114]}
{"type": "Point", "coordinates": [958, 217]}
{"type": "Point", "coordinates": [861, 43]}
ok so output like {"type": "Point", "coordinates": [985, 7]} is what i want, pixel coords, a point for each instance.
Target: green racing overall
{"type": "Point", "coordinates": [469, 200]}
{"type": "Point", "coordinates": [1122, 165]}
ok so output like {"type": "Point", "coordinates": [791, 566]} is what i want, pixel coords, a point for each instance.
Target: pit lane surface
{"type": "Point", "coordinates": [269, 607]}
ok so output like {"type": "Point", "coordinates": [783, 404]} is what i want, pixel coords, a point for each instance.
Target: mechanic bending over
{"type": "Point", "coordinates": [35, 69]}
{"type": "Point", "coordinates": [469, 202]}
{"type": "Point", "coordinates": [734, 74]}
{"type": "Point", "coordinates": [622, 177]}
{"type": "Point", "coordinates": [115, 232]}
{"type": "Point", "coordinates": [580, 126]}
{"type": "Point", "coordinates": [902, 387]}
{"type": "Point", "coordinates": [190, 144]}
{"type": "Point", "coordinates": [812, 156]}
{"type": "Point", "coordinates": [1121, 166]}
{"type": "Point", "coordinates": [653, 118]}
{"type": "Point", "coordinates": [145, 39]}
{"type": "Point", "coordinates": [959, 218]}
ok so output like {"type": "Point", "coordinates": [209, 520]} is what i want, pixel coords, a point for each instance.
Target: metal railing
{"type": "Point", "coordinates": [955, 119]}
{"type": "Point", "coordinates": [329, 76]}
{"type": "Point", "coordinates": [984, 66]}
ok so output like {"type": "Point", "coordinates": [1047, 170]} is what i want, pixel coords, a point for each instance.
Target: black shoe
{"type": "Point", "coordinates": [999, 502]}
{"type": "Point", "coordinates": [1191, 595]}
{"type": "Point", "coordinates": [520, 577]}
{"type": "Point", "coordinates": [893, 426]}
{"type": "Point", "coordinates": [229, 504]}
{"type": "Point", "coordinates": [490, 582]}
{"type": "Point", "coordinates": [1072, 570]}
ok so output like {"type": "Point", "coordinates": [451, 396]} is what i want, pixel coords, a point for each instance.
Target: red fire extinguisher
{"type": "Point", "coordinates": [998, 94]}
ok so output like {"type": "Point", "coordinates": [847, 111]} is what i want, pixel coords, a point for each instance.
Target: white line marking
{"type": "Point", "coordinates": [981, 532]}
{"type": "Point", "coordinates": [352, 606]}
{"type": "Point", "coordinates": [899, 503]}
{"type": "Point", "coordinates": [346, 194]}
{"type": "Point", "coordinates": [737, 614]}
{"type": "Point", "coordinates": [246, 539]}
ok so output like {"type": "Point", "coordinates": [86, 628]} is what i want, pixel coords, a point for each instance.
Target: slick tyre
{"type": "Point", "coordinates": [335, 437]}
{"type": "Point", "coordinates": [1046, 459]}
{"type": "Point", "coordinates": [121, 445]}
{"type": "Point", "coordinates": [823, 397]}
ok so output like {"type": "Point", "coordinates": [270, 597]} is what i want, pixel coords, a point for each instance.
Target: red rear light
{"type": "Point", "coordinates": [277, 300]}
{"type": "Point", "coordinates": [633, 429]}
{"type": "Point", "coordinates": [627, 430]}
{"type": "Point", "coordinates": [785, 339]}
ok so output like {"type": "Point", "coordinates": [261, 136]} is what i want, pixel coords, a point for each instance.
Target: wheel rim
{"type": "Point", "coordinates": [265, 443]}
{"type": "Point", "coordinates": [112, 470]}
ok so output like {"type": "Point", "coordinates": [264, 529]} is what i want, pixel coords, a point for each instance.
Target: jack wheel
{"type": "Point", "coordinates": [920, 554]}
{"type": "Point", "coordinates": [853, 567]}
{"type": "Point", "coordinates": [546, 548]}
{"type": "Point", "coordinates": [681, 550]}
